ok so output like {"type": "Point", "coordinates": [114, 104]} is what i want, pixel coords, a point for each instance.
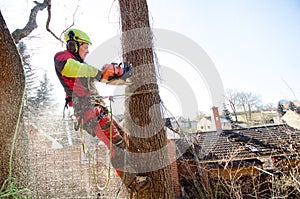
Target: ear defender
{"type": "Point", "coordinates": [71, 35]}
{"type": "Point", "coordinates": [72, 45]}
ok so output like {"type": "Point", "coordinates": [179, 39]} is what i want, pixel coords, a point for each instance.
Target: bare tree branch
{"type": "Point", "coordinates": [48, 22]}
{"type": "Point", "coordinates": [19, 34]}
{"type": "Point", "coordinates": [73, 20]}
{"type": "Point", "coordinates": [49, 19]}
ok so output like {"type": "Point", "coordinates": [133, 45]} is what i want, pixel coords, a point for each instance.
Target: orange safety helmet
{"type": "Point", "coordinates": [111, 71]}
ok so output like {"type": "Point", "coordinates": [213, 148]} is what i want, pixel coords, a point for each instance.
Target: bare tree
{"type": "Point", "coordinates": [19, 34]}
{"type": "Point", "coordinates": [143, 105]}
{"type": "Point", "coordinates": [252, 101]}
{"type": "Point", "coordinates": [232, 100]}
{"type": "Point", "coordinates": [248, 101]}
{"type": "Point", "coordinates": [242, 101]}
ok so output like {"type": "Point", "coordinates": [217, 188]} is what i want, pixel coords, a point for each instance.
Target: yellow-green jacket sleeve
{"type": "Point", "coordinates": [75, 69]}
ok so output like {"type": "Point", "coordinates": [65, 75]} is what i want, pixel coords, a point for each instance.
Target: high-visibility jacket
{"type": "Point", "coordinates": [73, 73]}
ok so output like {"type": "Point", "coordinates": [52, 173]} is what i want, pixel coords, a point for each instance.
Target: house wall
{"type": "Point", "coordinates": [204, 125]}
{"type": "Point", "coordinates": [226, 125]}
{"type": "Point", "coordinates": [188, 169]}
{"type": "Point", "coordinates": [292, 119]}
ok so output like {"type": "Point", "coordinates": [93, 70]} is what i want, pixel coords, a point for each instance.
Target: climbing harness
{"type": "Point", "coordinates": [94, 99]}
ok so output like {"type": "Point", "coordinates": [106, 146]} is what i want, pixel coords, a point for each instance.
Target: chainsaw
{"type": "Point", "coordinates": [117, 74]}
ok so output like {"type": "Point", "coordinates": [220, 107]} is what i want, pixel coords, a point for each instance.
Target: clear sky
{"type": "Point", "coordinates": [254, 44]}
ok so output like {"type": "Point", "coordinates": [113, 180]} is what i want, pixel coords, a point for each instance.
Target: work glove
{"type": "Point", "coordinates": [127, 70]}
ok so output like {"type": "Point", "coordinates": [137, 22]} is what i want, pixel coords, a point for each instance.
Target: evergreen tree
{"type": "Point", "coordinates": [189, 123]}
{"type": "Point", "coordinates": [30, 76]}
{"type": "Point", "coordinates": [43, 95]}
{"type": "Point", "coordinates": [280, 109]}
{"type": "Point", "coordinates": [292, 106]}
{"type": "Point", "coordinates": [227, 114]}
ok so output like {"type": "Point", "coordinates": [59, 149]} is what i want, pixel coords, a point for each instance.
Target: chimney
{"type": "Point", "coordinates": [174, 170]}
{"type": "Point", "coordinates": [216, 118]}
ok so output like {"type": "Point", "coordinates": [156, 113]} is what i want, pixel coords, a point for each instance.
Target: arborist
{"type": "Point", "coordinates": [77, 78]}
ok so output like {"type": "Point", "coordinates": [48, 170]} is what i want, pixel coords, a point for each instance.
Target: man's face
{"type": "Point", "coordinates": [83, 50]}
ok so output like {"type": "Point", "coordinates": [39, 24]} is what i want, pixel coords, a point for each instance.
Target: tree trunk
{"type": "Point", "coordinates": [144, 125]}
{"type": "Point", "coordinates": [11, 90]}
{"type": "Point", "coordinates": [250, 112]}
{"type": "Point", "coordinates": [245, 111]}
{"type": "Point", "coordinates": [232, 105]}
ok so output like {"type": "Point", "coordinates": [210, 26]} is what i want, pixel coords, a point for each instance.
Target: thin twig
{"type": "Point", "coordinates": [49, 19]}
{"type": "Point", "coordinates": [295, 180]}
{"type": "Point", "coordinates": [73, 22]}
{"type": "Point", "coordinates": [48, 22]}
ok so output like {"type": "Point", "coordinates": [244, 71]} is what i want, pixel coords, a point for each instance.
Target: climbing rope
{"type": "Point", "coordinates": [91, 156]}
{"type": "Point", "coordinates": [112, 97]}
{"type": "Point", "coordinates": [110, 149]}
{"type": "Point", "coordinates": [9, 188]}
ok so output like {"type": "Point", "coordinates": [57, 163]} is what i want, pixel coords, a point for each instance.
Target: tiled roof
{"type": "Point", "coordinates": [241, 144]}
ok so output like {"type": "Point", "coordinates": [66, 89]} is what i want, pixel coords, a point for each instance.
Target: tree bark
{"type": "Point", "coordinates": [144, 126]}
{"type": "Point", "coordinates": [12, 81]}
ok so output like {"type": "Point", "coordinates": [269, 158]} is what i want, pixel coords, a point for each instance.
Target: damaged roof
{"type": "Point", "coordinates": [246, 143]}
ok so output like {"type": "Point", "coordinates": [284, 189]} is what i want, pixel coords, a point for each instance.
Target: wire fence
{"type": "Point", "coordinates": [59, 167]}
